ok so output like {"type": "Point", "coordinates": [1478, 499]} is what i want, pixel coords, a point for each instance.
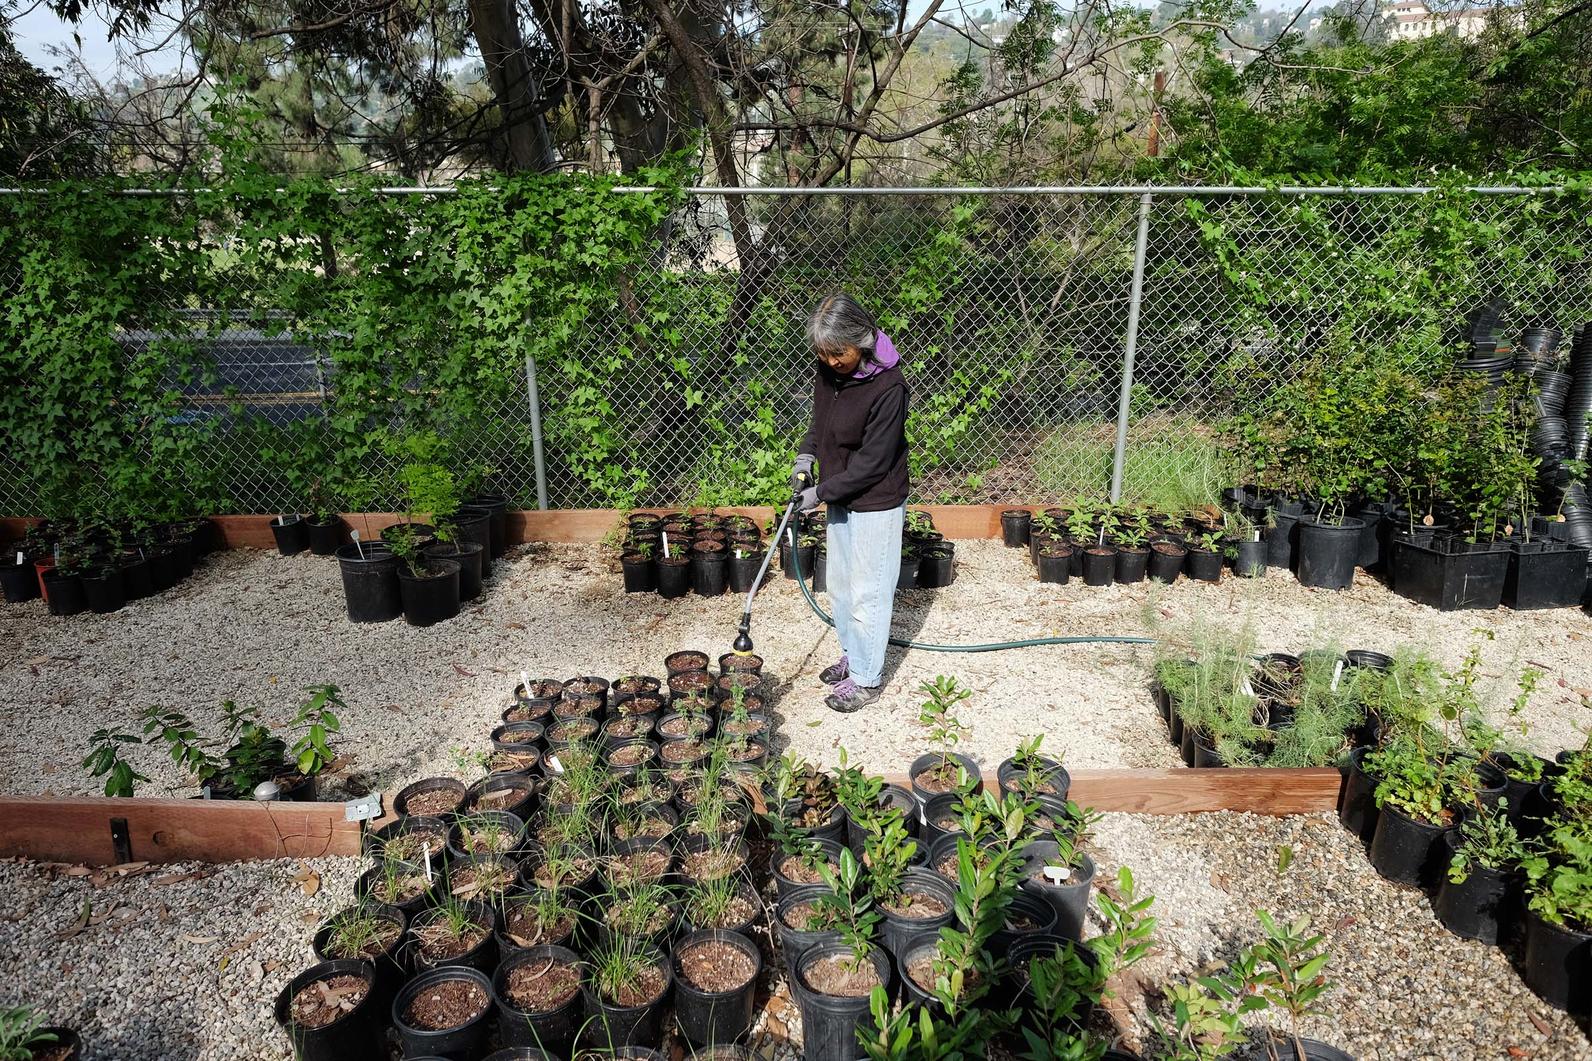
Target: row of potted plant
{"type": "Point", "coordinates": [99, 566]}
{"type": "Point", "coordinates": [675, 553]}
{"type": "Point", "coordinates": [1103, 543]}
{"type": "Point", "coordinates": [1449, 802]}
{"type": "Point", "coordinates": [928, 558]}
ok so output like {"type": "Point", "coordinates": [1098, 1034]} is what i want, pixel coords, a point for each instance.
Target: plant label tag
{"type": "Point", "coordinates": [427, 849]}
{"type": "Point", "coordinates": [1246, 688]}
{"type": "Point", "coordinates": [1057, 874]}
{"type": "Point", "coordinates": [363, 809]}
{"type": "Point", "coordinates": [525, 684]}
{"type": "Point", "coordinates": [19, 558]}
{"type": "Point", "coordinates": [665, 543]}
{"type": "Point", "coordinates": [1256, 538]}
{"type": "Point", "coordinates": [558, 767]}
{"type": "Point", "coordinates": [1337, 674]}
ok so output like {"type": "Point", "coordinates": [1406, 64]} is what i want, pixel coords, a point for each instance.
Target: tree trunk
{"type": "Point", "coordinates": [525, 136]}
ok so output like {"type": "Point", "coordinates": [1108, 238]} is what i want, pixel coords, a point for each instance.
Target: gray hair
{"type": "Point", "coordinates": [840, 321]}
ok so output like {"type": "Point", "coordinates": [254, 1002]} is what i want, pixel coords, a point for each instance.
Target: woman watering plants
{"type": "Point", "coordinates": [859, 445]}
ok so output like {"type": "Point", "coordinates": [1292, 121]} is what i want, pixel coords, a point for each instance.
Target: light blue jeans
{"type": "Point", "coordinates": [862, 570]}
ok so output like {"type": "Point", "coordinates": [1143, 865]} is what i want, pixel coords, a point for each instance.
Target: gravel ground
{"type": "Point", "coordinates": [258, 628]}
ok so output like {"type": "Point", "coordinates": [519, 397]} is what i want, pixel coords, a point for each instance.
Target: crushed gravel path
{"type": "Point", "coordinates": [258, 628]}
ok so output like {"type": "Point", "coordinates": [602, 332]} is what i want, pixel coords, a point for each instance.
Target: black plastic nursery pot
{"type": "Point", "coordinates": [1028, 916]}
{"type": "Point", "coordinates": [324, 538]}
{"type": "Point", "coordinates": [935, 900]}
{"type": "Point", "coordinates": [1369, 553]}
{"type": "Point", "coordinates": [1328, 552]}
{"type": "Point", "coordinates": [710, 575]}
{"type": "Point", "coordinates": [830, 1022]}
{"type": "Point", "coordinates": [1557, 964]}
{"type": "Point", "coordinates": [103, 590]}
{"type": "Point", "coordinates": [1448, 575]}
{"type": "Point", "coordinates": [351, 1036]}
{"type": "Point", "coordinates": [67, 1043]}
{"type": "Point", "coordinates": [1166, 561]}
{"type": "Point", "coordinates": [743, 564]}
{"type": "Point", "coordinates": [1478, 907]}
{"type": "Point", "coordinates": [472, 524]}
{"type": "Point", "coordinates": [1249, 559]}
{"type": "Point", "coordinates": [1545, 574]}
{"type": "Point", "coordinates": [1203, 565]}
{"type": "Point", "coordinates": [674, 577]}
{"type": "Point", "coordinates": [388, 965]}
{"type": "Point", "coordinates": [1132, 565]}
{"type": "Point", "coordinates": [641, 575]}
{"type": "Point", "coordinates": [370, 582]}
{"type": "Point", "coordinates": [1282, 539]}
{"type": "Point", "coordinates": [465, 1040]}
{"type": "Point", "coordinates": [64, 593]}
{"type": "Point", "coordinates": [821, 571]}
{"type": "Point", "coordinates": [292, 537]}
{"type": "Point", "coordinates": [924, 791]}
{"type": "Point", "coordinates": [138, 579]}
{"type": "Point", "coordinates": [804, 557]}
{"type": "Point", "coordinates": [19, 582]}
{"type": "Point", "coordinates": [936, 566]}
{"type": "Point", "coordinates": [1406, 851]}
{"type": "Point", "coordinates": [1358, 811]}
{"type": "Point", "coordinates": [431, 597]}
{"type": "Point", "coordinates": [1016, 524]}
{"type": "Point", "coordinates": [1053, 778]}
{"type": "Point", "coordinates": [1069, 897]}
{"type": "Point", "coordinates": [610, 1025]}
{"type": "Point", "coordinates": [708, 1016]}
{"type": "Point", "coordinates": [1055, 564]}
{"type": "Point", "coordinates": [1099, 565]}
{"type": "Point", "coordinates": [907, 578]}
{"type": "Point", "coordinates": [794, 941]}
{"type": "Point", "coordinates": [469, 556]}
{"type": "Point", "coordinates": [496, 507]}
{"type": "Point", "coordinates": [551, 1024]}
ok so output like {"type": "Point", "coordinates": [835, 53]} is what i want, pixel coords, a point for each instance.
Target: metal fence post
{"type": "Point", "coordinates": [534, 400]}
{"type": "Point", "coordinates": [1130, 346]}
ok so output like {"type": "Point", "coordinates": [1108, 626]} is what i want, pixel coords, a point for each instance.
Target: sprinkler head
{"type": "Point", "coordinates": [743, 643]}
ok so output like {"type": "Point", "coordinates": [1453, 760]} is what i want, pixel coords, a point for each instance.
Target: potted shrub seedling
{"type": "Point", "coordinates": [1030, 773]}
{"type": "Point", "coordinates": [942, 770]}
{"type": "Point", "coordinates": [367, 564]}
{"type": "Point", "coordinates": [430, 587]}
{"type": "Point", "coordinates": [910, 899]}
{"type": "Point", "coordinates": [1287, 969]}
{"type": "Point", "coordinates": [636, 562]}
{"type": "Point", "coordinates": [324, 527]}
{"type": "Point", "coordinates": [1133, 547]}
{"type": "Point", "coordinates": [1246, 548]}
{"type": "Point", "coordinates": [1415, 796]}
{"type": "Point", "coordinates": [1204, 560]}
{"type": "Point", "coordinates": [833, 981]}
{"type": "Point", "coordinates": [1558, 887]}
{"type": "Point", "coordinates": [1058, 870]}
{"type": "Point", "coordinates": [1484, 857]}
{"type": "Point", "coordinates": [674, 569]}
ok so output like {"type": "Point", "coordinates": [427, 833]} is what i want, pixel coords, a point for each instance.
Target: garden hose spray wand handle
{"type": "Point", "coordinates": [743, 637]}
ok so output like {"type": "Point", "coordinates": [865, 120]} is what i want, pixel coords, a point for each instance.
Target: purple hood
{"type": "Point", "coordinates": [885, 356]}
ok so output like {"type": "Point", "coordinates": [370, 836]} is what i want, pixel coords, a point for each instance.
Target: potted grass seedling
{"type": "Point", "coordinates": [454, 931]}
{"type": "Point", "coordinates": [626, 988]}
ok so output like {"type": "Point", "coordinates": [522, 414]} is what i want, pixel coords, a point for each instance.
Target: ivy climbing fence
{"type": "Point", "coordinates": [598, 345]}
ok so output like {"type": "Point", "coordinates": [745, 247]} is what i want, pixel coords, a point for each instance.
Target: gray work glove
{"type": "Point", "coordinates": [809, 500]}
{"type": "Point", "coordinates": [801, 472]}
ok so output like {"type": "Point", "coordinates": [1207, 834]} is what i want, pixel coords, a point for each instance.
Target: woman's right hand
{"type": "Point", "coordinates": [801, 472]}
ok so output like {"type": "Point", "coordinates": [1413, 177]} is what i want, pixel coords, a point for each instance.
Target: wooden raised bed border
{"type": "Point", "coordinates": [100, 831]}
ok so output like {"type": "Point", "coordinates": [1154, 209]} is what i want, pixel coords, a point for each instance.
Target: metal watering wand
{"type": "Point", "coordinates": [743, 637]}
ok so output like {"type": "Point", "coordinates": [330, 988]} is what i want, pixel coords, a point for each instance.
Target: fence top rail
{"type": "Point", "coordinates": [1060, 189]}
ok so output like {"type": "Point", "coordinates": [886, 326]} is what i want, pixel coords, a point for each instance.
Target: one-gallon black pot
{"type": "Point", "coordinates": [1203, 565]}
{"type": "Point", "coordinates": [475, 525]}
{"type": "Point", "coordinates": [325, 538]}
{"type": "Point", "coordinates": [794, 942]}
{"type": "Point", "coordinates": [432, 597]}
{"type": "Point", "coordinates": [1070, 898]}
{"type": "Point", "coordinates": [1369, 553]}
{"type": "Point", "coordinates": [1132, 565]}
{"type": "Point", "coordinates": [830, 1023]}
{"type": "Point", "coordinates": [293, 537]}
{"type": "Point", "coordinates": [821, 571]}
{"type": "Point", "coordinates": [138, 577]}
{"type": "Point", "coordinates": [743, 569]}
{"type": "Point", "coordinates": [610, 1026]}
{"type": "Point", "coordinates": [1055, 570]}
{"type": "Point", "coordinates": [937, 566]}
{"type": "Point", "coordinates": [469, 556]}
{"type": "Point", "coordinates": [1249, 559]}
{"type": "Point", "coordinates": [64, 593]}
{"type": "Point", "coordinates": [497, 508]}
{"type": "Point", "coordinates": [1478, 907]}
{"type": "Point", "coordinates": [370, 582]}
{"type": "Point", "coordinates": [1406, 851]}
{"type": "Point", "coordinates": [674, 577]}
{"type": "Point", "coordinates": [1166, 561]}
{"type": "Point", "coordinates": [1015, 526]}
{"type": "Point", "coordinates": [1557, 964]}
{"type": "Point", "coordinates": [103, 590]}
{"type": "Point", "coordinates": [1099, 567]}
{"type": "Point", "coordinates": [804, 557]}
{"type": "Point", "coordinates": [1358, 811]}
{"type": "Point", "coordinates": [641, 576]}
{"type": "Point", "coordinates": [1327, 552]}
{"type": "Point", "coordinates": [351, 1036]}
{"type": "Point", "coordinates": [467, 1040]}
{"type": "Point", "coordinates": [1282, 539]}
{"type": "Point", "coordinates": [710, 574]}
{"type": "Point", "coordinates": [899, 929]}
{"type": "Point", "coordinates": [554, 1029]}
{"type": "Point", "coordinates": [908, 576]}
{"type": "Point", "coordinates": [708, 1017]}
{"type": "Point", "coordinates": [19, 582]}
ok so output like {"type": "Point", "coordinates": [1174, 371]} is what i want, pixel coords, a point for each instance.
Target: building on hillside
{"type": "Point", "coordinates": [1412, 20]}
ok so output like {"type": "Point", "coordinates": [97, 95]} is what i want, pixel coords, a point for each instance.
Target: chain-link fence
{"type": "Point", "coordinates": [1011, 309]}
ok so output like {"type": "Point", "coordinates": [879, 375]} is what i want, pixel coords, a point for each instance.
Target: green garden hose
{"type": "Point", "coordinates": [993, 646]}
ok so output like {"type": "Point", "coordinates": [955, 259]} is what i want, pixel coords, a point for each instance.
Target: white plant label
{"type": "Point", "coordinates": [19, 558]}
{"type": "Point", "coordinates": [1247, 689]}
{"type": "Point", "coordinates": [665, 543]}
{"type": "Point", "coordinates": [357, 545]}
{"type": "Point", "coordinates": [1057, 874]}
{"type": "Point", "coordinates": [558, 767]}
{"type": "Point", "coordinates": [1256, 538]}
{"type": "Point", "coordinates": [427, 848]}
{"type": "Point", "coordinates": [525, 683]}
{"type": "Point", "coordinates": [1337, 673]}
